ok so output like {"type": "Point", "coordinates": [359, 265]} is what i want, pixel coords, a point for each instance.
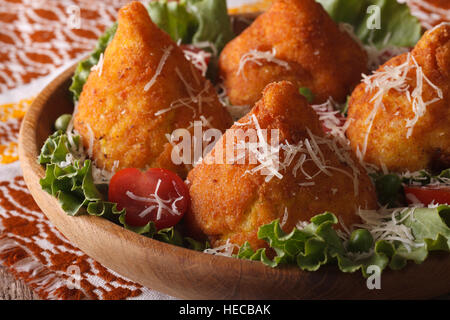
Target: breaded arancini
{"type": "Point", "coordinates": [227, 202]}
{"type": "Point", "coordinates": [400, 138]}
{"type": "Point", "coordinates": [128, 123]}
{"type": "Point", "coordinates": [320, 56]}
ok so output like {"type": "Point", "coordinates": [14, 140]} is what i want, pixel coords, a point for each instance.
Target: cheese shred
{"type": "Point", "coordinates": [161, 64]}
{"type": "Point", "coordinates": [256, 56]}
{"type": "Point", "coordinates": [396, 78]}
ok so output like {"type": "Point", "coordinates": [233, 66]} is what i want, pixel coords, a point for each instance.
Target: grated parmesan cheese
{"type": "Point", "coordinates": [201, 97]}
{"type": "Point", "coordinates": [198, 59]}
{"type": "Point", "coordinates": [419, 106]}
{"type": "Point", "coordinates": [301, 225]}
{"type": "Point", "coordinates": [284, 218]}
{"type": "Point", "coordinates": [266, 154]}
{"type": "Point", "coordinates": [440, 25]}
{"type": "Point", "coordinates": [103, 176]}
{"type": "Point", "coordinates": [307, 184]}
{"type": "Point", "coordinates": [417, 178]}
{"type": "Point", "coordinates": [236, 112]}
{"type": "Point", "coordinates": [413, 199]}
{"type": "Point", "coordinates": [91, 140]}
{"type": "Point", "coordinates": [341, 149]}
{"type": "Point", "coordinates": [330, 116]}
{"type": "Point", "coordinates": [309, 149]}
{"type": "Point", "coordinates": [319, 162]}
{"type": "Point", "coordinates": [99, 66]}
{"type": "Point", "coordinates": [395, 78]}
{"type": "Point", "coordinates": [70, 160]}
{"type": "Point", "coordinates": [225, 250]}
{"type": "Point", "coordinates": [385, 225]}
{"type": "Point", "coordinates": [157, 203]}
{"type": "Point", "coordinates": [207, 45]}
{"type": "Point", "coordinates": [256, 56]}
{"type": "Point", "coordinates": [161, 64]}
{"type": "Point", "coordinates": [204, 123]}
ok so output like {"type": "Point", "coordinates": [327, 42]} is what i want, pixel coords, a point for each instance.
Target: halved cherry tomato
{"type": "Point", "coordinates": [428, 195]}
{"type": "Point", "coordinates": [156, 195]}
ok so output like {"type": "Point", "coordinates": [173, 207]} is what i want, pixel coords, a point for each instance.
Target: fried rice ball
{"type": "Point", "coordinates": [127, 107]}
{"type": "Point", "coordinates": [400, 136]}
{"type": "Point", "coordinates": [232, 200]}
{"type": "Point", "coordinates": [311, 50]}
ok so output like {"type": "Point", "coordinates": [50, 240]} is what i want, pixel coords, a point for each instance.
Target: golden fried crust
{"type": "Point", "coordinates": [228, 203]}
{"type": "Point", "coordinates": [320, 56]}
{"type": "Point", "coordinates": [429, 144]}
{"type": "Point", "coordinates": [121, 113]}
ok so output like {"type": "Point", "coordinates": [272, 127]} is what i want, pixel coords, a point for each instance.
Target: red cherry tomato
{"type": "Point", "coordinates": [156, 195]}
{"type": "Point", "coordinates": [428, 195]}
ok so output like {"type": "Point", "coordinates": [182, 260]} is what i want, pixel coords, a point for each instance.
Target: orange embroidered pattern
{"type": "Point", "coordinates": [38, 36]}
{"type": "Point", "coordinates": [34, 251]}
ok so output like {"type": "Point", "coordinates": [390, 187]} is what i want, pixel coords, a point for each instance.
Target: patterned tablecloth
{"type": "Point", "coordinates": [38, 39]}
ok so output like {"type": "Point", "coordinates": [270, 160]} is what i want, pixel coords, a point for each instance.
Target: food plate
{"type": "Point", "coordinates": [188, 274]}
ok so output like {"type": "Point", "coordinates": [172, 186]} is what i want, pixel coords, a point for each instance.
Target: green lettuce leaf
{"type": "Point", "coordinates": [193, 21]}
{"type": "Point", "coordinates": [193, 244]}
{"type": "Point", "coordinates": [425, 177]}
{"type": "Point", "coordinates": [173, 235]}
{"type": "Point", "coordinates": [105, 209]}
{"type": "Point", "coordinates": [246, 252]}
{"type": "Point", "coordinates": [213, 22]}
{"type": "Point", "coordinates": [174, 18]}
{"type": "Point", "coordinates": [307, 93]}
{"type": "Point", "coordinates": [72, 184]}
{"type": "Point", "coordinates": [318, 244]}
{"type": "Point", "coordinates": [431, 226]}
{"type": "Point", "coordinates": [398, 27]}
{"type": "Point", "coordinates": [187, 21]}
{"type": "Point", "coordinates": [147, 230]}
{"type": "Point", "coordinates": [170, 235]}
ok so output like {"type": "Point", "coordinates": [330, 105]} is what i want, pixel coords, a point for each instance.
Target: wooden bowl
{"type": "Point", "coordinates": [185, 273]}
